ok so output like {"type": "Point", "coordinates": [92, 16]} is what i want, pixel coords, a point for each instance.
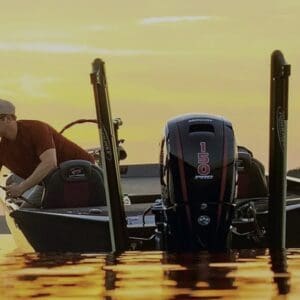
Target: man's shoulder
{"type": "Point", "coordinates": [35, 127]}
{"type": "Point", "coordinates": [32, 123]}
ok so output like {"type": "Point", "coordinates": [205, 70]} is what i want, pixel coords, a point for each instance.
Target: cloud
{"type": "Point", "coordinates": [97, 27]}
{"type": "Point", "coordinates": [26, 85]}
{"type": "Point", "coordinates": [60, 48]}
{"type": "Point", "coordinates": [35, 86]}
{"type": "Point", "coordinates": [36, 33]}
{"type": "Point", "coordinates": [4, 92]}
{"type": "Point", "coordinates": [173, 19]}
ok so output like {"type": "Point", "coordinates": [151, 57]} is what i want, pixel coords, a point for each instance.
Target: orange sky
{"type": "Point", "coordinates": [162, 59]}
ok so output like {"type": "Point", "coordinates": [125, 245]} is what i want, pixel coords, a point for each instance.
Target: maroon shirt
{"type": "Point", "coordinates": [21, 156]}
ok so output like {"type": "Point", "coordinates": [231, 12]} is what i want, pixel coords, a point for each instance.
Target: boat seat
{"type": "Point", "coordinates": [252, 181]}
{"type": "Point", "coordinates": [75, 183]}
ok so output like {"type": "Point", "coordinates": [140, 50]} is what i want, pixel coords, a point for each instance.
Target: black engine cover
{"type": "Point", "coordinates": [198, 176]}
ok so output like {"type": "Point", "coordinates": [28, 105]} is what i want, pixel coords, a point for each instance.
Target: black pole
{"type": "Point", "coordinates": [109, 158]}
{"type": "Point", "coordinates": [279, 266]}
{"type": "Point", "coordinates": [280, 72]}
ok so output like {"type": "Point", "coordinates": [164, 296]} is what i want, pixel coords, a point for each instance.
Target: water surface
{"type": "Point", "coordinates": [149, 275]}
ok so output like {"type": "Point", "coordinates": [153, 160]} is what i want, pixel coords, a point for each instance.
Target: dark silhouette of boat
{"type": "Point", "coordinates": [204, 194]}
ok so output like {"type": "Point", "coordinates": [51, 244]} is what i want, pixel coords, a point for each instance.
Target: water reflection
{"type": "Point", "coordinates": [200, 272]}
{"type": "Point", "coordinates": [151, 275]}
{"type": "Point", "coordinates": [279, 267]}
{"type": "Point", "coordinates": [110, 275]}
{"type": "Point", "coordinates": [41, 275]}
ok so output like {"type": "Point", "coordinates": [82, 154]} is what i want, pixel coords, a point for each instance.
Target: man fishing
{"type": "Point", "coordinates": [31, 149]}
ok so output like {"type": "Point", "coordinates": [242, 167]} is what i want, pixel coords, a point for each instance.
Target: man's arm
{"type": "Point", "coordinates": [47, 164]}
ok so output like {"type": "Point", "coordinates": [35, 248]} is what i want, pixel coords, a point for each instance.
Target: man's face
{"type": "Point", "coordinates": [3, 123]}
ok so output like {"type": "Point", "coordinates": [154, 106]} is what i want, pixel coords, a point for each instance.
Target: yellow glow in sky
{"type": "Point", "coordinates": [162, 59]}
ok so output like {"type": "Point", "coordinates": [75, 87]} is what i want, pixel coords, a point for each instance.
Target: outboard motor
{"type": "Point", "coordinates": [198, 178]}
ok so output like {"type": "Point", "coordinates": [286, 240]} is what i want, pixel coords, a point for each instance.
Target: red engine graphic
{"type": "Point", "coordinates": [203, 160]}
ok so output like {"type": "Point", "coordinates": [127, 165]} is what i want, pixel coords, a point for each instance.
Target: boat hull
{"type": "Point", "coordinates": [87, 229]}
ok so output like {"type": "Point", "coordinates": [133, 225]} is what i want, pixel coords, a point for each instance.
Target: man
{"type": "Point", "coordinates": [32, 149]}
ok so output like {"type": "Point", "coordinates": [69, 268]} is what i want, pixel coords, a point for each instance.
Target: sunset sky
{"type": "Point", "coordinates": [163, 58]}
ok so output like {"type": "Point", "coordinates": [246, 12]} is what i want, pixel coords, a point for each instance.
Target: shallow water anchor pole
{"type": "Point", "coordinates": [109, 158]}
{"type": "Point", "coordinates": [280, 72]}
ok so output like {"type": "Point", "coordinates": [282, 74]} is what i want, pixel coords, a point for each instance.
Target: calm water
{"type": "Point", "coordinates": [148, 275]}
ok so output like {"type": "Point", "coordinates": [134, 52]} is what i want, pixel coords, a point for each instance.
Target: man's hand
{"type": "Point", "coordinates": [15, 190]}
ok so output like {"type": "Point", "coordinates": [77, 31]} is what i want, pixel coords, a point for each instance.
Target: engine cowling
{"type": "Point", "coordinates": [198, 178]}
